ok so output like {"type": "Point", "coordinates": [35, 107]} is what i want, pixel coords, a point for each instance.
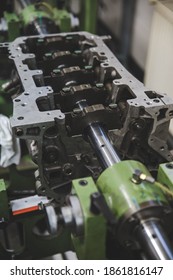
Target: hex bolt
{"type": "Point", "coordinates": [19, 131]}
{"type": "Point", "coordinates": [113, 106]}
{"type": "Point", "coordinates": [77, 111]}
{"type": "Point", "coordinates": [68, 169]}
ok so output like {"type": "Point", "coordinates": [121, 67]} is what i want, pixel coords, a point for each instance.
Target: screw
{"type": "Point", "coordinates": [77, 111]}
{"type": "Point", "coordinates": [19, 131]}
{"type": "Point", "coordinates": [99, 85]}
{"type": "Point", "coordinates": [68, 169]}
{"type": "Point", "coordinates": [113, 106]}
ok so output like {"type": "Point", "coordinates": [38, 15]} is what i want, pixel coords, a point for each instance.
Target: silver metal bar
{"type": "Point", "coordinates": [102, 146]}
{"type": "Point", "coordinates": [154, 241]}
{"type": "Point", "coordinates": [100, 142]}
{"type": "Point", "coordinates": [149, 234]}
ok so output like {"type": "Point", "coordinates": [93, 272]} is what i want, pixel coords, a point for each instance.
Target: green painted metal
{"type": "Point", "coordinates": [88, 16]}
{"type": "Point", "coordinates": [52, 3]}
{"type": "Point", "coordinates": [121, 194]}
{"type": "Point", "coordinates": [89, 246]}
{"type": "Point", "coordinates": [39, 246]}
{"type": "Point", "coordinates": [35, 246]}
{"type": "Point", "coordinates": [30, 13]}
{"type": "Point", "coordinates": [13, 24]}
{"type": "Point", "coordinates": [165, 175]}
{"type": "Point", "coordinates": [62, 19]}
{"type": "Point", "coordinates": [4, 211]}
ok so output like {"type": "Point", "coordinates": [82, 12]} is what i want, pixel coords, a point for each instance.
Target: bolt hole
{"type": "Point", "coordinates": [20, 118]}
{"type": "Point", "coordinates": [156, 100]}
{"type": "Point", "coordinates": [83, 183]}
{"type": "Point", "coordinates": [19, 132]}
{"type": "Point", "coordinates": [169, 165]}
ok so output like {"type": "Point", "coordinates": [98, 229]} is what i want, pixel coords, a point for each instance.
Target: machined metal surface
{"type": "Point", "coordinates": [79, 112]}
{"type": "Point", "coordinates": [54, 72]}
{"type": "Point", "coordinates": [154, 241]}
{"type": "Point", "coordinates": [97, 137]}
{"type": "Point", "coordinates": [102, 146]}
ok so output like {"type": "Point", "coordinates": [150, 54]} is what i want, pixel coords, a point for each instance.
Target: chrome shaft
{"type": "Point", "coordinates": [149, 234]}
{"type": "Point", "coordinates": [102, 145]}
{"type": "Point", "coordinates": [154, 241]}
{"type": "Point", "coordinates": [100, 141]}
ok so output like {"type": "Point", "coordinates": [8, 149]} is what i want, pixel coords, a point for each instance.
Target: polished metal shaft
{"type": "Point", "coordinates": [154, 241]}
{"type": "Point", "coordinates": [101, 145]}
{"type": "Point", "coordinates": [149, 234]}
{"type": "Point", "coordinates": [100, 142]}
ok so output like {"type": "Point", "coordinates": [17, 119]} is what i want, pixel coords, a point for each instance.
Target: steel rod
{"type": "Point", "coordinates": [100, 142]}
{"type": "Point", "coordinates": [154, 241]}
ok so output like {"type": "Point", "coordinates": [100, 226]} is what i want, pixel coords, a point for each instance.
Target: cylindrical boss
{"type": "Point", "coordinates": [126, 198]}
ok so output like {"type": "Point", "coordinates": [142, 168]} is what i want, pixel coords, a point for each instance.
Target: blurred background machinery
{"type": "Point", "coordinates": [86, 153]}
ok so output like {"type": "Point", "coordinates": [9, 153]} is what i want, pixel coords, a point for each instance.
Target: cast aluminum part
{"type": "Point", "coordinates": [136, 119]}
{"type": "Point", "coordinates": [139, 100]}
{"type": "Point", "coordinates": [151, 106]}
{"type": "Point", "coordinates": [140, 110]}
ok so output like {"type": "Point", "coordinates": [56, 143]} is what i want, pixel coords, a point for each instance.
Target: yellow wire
{"type": "Point", "coordinates": [46, 5]}
{"type": "Point", "coordinates": [163, 188]}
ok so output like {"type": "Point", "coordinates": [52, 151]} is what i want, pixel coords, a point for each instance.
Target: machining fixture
{"type": "Point", "coordinates": [98, 137]}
